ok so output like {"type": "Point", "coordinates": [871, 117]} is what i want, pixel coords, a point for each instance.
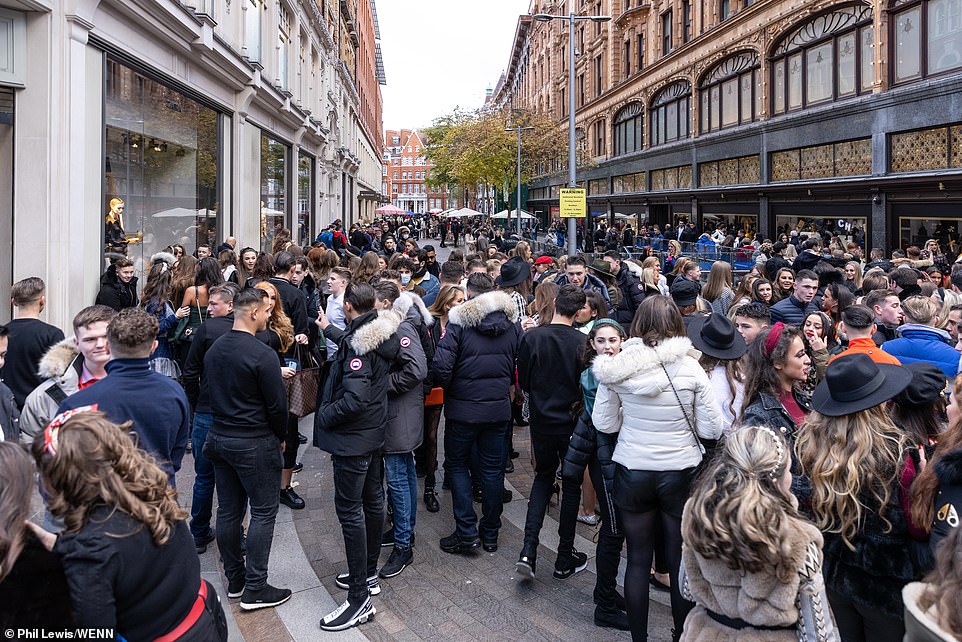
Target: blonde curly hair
{"type": "Point", "coordinates": [849, 460]}
{"type": "Point", "coordinates": [95, 462]}
{"type": "Point", "coordinates": [279, 322]}
{"type": "Point", "coordinates": [739, 515]}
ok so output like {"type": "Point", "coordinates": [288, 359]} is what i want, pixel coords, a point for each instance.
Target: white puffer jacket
{"type": "Point", "coordinates": [635, 398]}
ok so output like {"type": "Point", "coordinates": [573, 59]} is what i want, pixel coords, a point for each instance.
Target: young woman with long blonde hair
{"type": "Point", "coordinates": [853, 456]}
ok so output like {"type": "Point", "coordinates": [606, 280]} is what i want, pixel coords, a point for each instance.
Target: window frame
{"type": "Point", "coordinates": [752, 68]}
{"type": "Point", "coordinates": [630, 117]}
{"type": "Point", "coordinates": [895, 9]}
{"type": "Point", "coordinates": [660, 108]}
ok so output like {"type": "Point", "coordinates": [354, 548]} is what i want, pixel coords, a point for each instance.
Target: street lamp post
{"type": "Point", "coordinates": [518, 201]}
{"type": "Point", "coordinates": [572, 170]}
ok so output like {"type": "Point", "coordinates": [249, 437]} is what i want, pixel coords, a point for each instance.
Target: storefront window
{"type": "Point", "coordinates": [848, 228]}
{"type": "Point", "coordinates": [732, 222]}
{"type": "Point", "coordinates": [274, 206]}
{"type": "Point", "coordinates": [917, 230]}
{"type": "Point", "coordinates": [161, 168]}
{"type": "Point", "coordinates": [305, 201]}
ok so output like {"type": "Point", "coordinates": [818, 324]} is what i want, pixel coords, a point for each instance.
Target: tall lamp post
{"type": "Point", "coordinates": [572, 173]}
{"type": "Point", "coordinates": [518, 201]}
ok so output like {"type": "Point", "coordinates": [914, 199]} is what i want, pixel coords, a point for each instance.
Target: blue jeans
{"type": "Point", "coordinates": [359, 504]}
{"type": "Point", "coordinates": [491, 447]}
{"type": "Point", "coordinates": [402, 487]}
{"type": "Point", "coordinates": [202, 504]}
{"type": "Point", "coordinates": [247, 469]}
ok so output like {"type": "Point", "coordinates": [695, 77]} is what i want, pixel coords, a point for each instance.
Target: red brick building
{"type": "Point", "coordinates": [405, 173]}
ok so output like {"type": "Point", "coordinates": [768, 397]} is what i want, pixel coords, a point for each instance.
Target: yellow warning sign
{"type": "Point", "coordinates": [574, 201]}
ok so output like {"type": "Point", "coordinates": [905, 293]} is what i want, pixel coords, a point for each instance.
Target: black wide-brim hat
{"type": "Point", "coordinates": [513, 271]}
{"type": "Point", "coordinates": [715, 335]}
{"type": "Point", "coordinates": [854, 383]}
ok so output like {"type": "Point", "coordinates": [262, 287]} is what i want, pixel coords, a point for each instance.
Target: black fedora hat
{"type": "Point", "coordinates": [513, 271]}
{"type": "Point", "coordinates": [854, 383]}
{"type": "Point", "coordinates": [716, 336]}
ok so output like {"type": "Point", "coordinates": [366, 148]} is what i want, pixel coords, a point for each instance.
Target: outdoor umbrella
{"type": "Point", "coordinates": [389, 209]}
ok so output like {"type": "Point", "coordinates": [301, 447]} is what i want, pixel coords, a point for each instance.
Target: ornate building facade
{"type": "Point", "coordinates": [405, 174]}
{"type": "Point", "coordinates": [769, 115]}
{"type": "Point", "coordinates": [206, 118]}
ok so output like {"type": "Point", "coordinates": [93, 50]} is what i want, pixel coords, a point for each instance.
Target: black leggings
{"type": "Point", "coordinates": [858, 623]}
{"type": "Point", "coordinates": [291, 440]}
{"type": "Point", "coordinates": [640, 530]}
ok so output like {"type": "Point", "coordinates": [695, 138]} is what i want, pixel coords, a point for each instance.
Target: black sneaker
{"type": "Point", "coordinates": [298, 467]}
{"type": "Point", "coordinates": [525, 566]}
{"type": "Point", "coordinates": [399, 560]}
{"type": "Point", "coordinates": [575, 562]}
{"type": "Point", "coordinates": [455, 545]}
{"type": "Point", "coordinates": [431, 501]}
{"type": "Point", "coordinates": [611, 619]}
{"type": "Point", "coordinates": [266, 597]}
{"type": "Point", "coordinates": [506, 496]}
{"type": "Point", "coordinates": [301, 439]}
{"type": "Point", "coordinates": [490, 545]}
{"type": "Point", "coordinates": [200, 543]}
{"type": "Point", "coordinates": [347, 615]}
{"type": "Point", "coordinates": [291, 499]}
{"type": "Point", "coordinates": [235, 588]}
{"type": "Point", "coordinates": [373, 586]}
{"type": "Point", "coordinates": [509, 468]}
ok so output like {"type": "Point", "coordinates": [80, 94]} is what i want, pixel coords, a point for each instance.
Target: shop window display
{"type": "Point", "coordinates": [161, 175]}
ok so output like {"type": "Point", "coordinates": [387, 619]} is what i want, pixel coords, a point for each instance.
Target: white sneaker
{"type": "Point", "coordinates": [347, 615]}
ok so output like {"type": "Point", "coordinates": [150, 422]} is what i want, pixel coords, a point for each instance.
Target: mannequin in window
{"type": "Point", "coordinates": [114, 237]}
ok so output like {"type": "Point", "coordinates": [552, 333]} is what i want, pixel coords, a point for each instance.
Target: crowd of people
{"type": "Point", "coordinates": [781, 453]}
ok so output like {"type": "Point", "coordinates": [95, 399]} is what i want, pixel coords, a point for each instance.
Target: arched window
{"type": "Point", "coordinates": [927, 36]}
{"type": "Point", "coordinates": [671, 113]}
{"type": "Point", "coordinates": [731, 92]}
{"type": "Point", "coordinates": [825, 59]}
{"type": "Point", "coordinates": [629, 126]}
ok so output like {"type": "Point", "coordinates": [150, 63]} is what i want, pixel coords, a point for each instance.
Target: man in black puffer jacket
{"type": "Point", "coordinates": [474, 363]}
{"type": "Point", "coordinates": [118, 286]}
{"type": "Point", "coordinates": [349, 424]}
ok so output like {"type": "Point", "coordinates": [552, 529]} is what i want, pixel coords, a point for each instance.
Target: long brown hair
{"type": "Point", "coordinates": [657, 319]}
{"type": "Point", "coordinates": [279, 322]}
{"type": "Point", "coordinates": [719, 278]}
{"type": "Point", "coordinates": [446, 295]}
{"type": "Point", "coordinates": [97, 462]}
{"type": "Point", "coordinates": [762, 376]}
{"type": "Point", "coordinates": [738, 513]}
{"type": "Point", "coordinates": [16, 487]}
{"type": "Point", "coordinates": [543, 304]}
{"type": "Point", "coordinates": [850, 459]}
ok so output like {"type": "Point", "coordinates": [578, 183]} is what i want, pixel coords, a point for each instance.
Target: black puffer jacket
{"type": "Point", "coordinates": [586, 442]}
{"type": "Point", "coordinates": [768, 411]}
{"type": "Point", "coordinates": [352, 408]}
{"type": "Point", "coordinates": [116, 294]}
{"type": "Point", "coordinates": [948, 503]}
{"type": "Point", "coordinates": [632, 294]}
{"type": "Point", "coordinates": [475, 360]}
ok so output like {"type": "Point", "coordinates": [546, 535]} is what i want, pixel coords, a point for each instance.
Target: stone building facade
{"type": "Point", "coordinates": [769, 115]}
{"type": "Point", "coordinates": [207, 118]}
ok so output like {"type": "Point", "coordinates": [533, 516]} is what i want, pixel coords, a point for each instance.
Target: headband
{"type": "Point", "coordinates": [51, 434]}
{"type": "Point", "coordinates": [779, 449]}
{"type": "Point", "coordinates": [773, 336]}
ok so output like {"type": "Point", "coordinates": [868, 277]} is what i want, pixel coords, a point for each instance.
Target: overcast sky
{"type": "Point", "coordinates": [442, 54]}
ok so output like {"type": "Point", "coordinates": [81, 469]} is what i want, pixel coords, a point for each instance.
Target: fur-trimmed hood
{"type": "Point", "coordinates": [407, 302]}
{"type": "Point", "coordinates": [58, 358]}
{"type": "Point", "coordinates": [473, 312]}
{"type": "Point", "coordinates": [638, 366]}
{"type": "Point", "coordinates": [166, 257]}
{"type": "Point", "coordinates": [375, 333]}
{"type": "Point", "coordinates": [949, 467]}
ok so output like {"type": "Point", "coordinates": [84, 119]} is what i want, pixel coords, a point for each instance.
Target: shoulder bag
{"type": "Point", "coordinates": [706, 447]}
{"type": "Point", "coordinates": [302, 387]}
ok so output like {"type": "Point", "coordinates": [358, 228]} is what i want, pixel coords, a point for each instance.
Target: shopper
{"type": "Point", "coordinates": [349, 424]}
{"type": "Point", "coordinates": [69, 366]}
{"type": "Point", "coordinates": [155, 404]}
{"type": "Point", "coordinates": [118, 286]}
{"type": "Point", "coordinates": [249, 407]}
{"type": "Point", "coordinates": [28, 338]}
{"type": "Point", "coordinates": [197, 386]}
{"type": "Point", "coordinates": [126, 549]}
{"type": "Point", "coordinates": [549, 369]}
{"type": "Point", "coordinates": [853, 454]}
{"type": "Point", "coordinates": [660, 401]}
{"type": "Point", "coordinates": [750, 562]}
{"type": "Point", "coordinates": [592, 450]}
{"type": "Point", "coordinates": [475, 364]}
{"type": "Point", "coordinates": [33, 588]}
